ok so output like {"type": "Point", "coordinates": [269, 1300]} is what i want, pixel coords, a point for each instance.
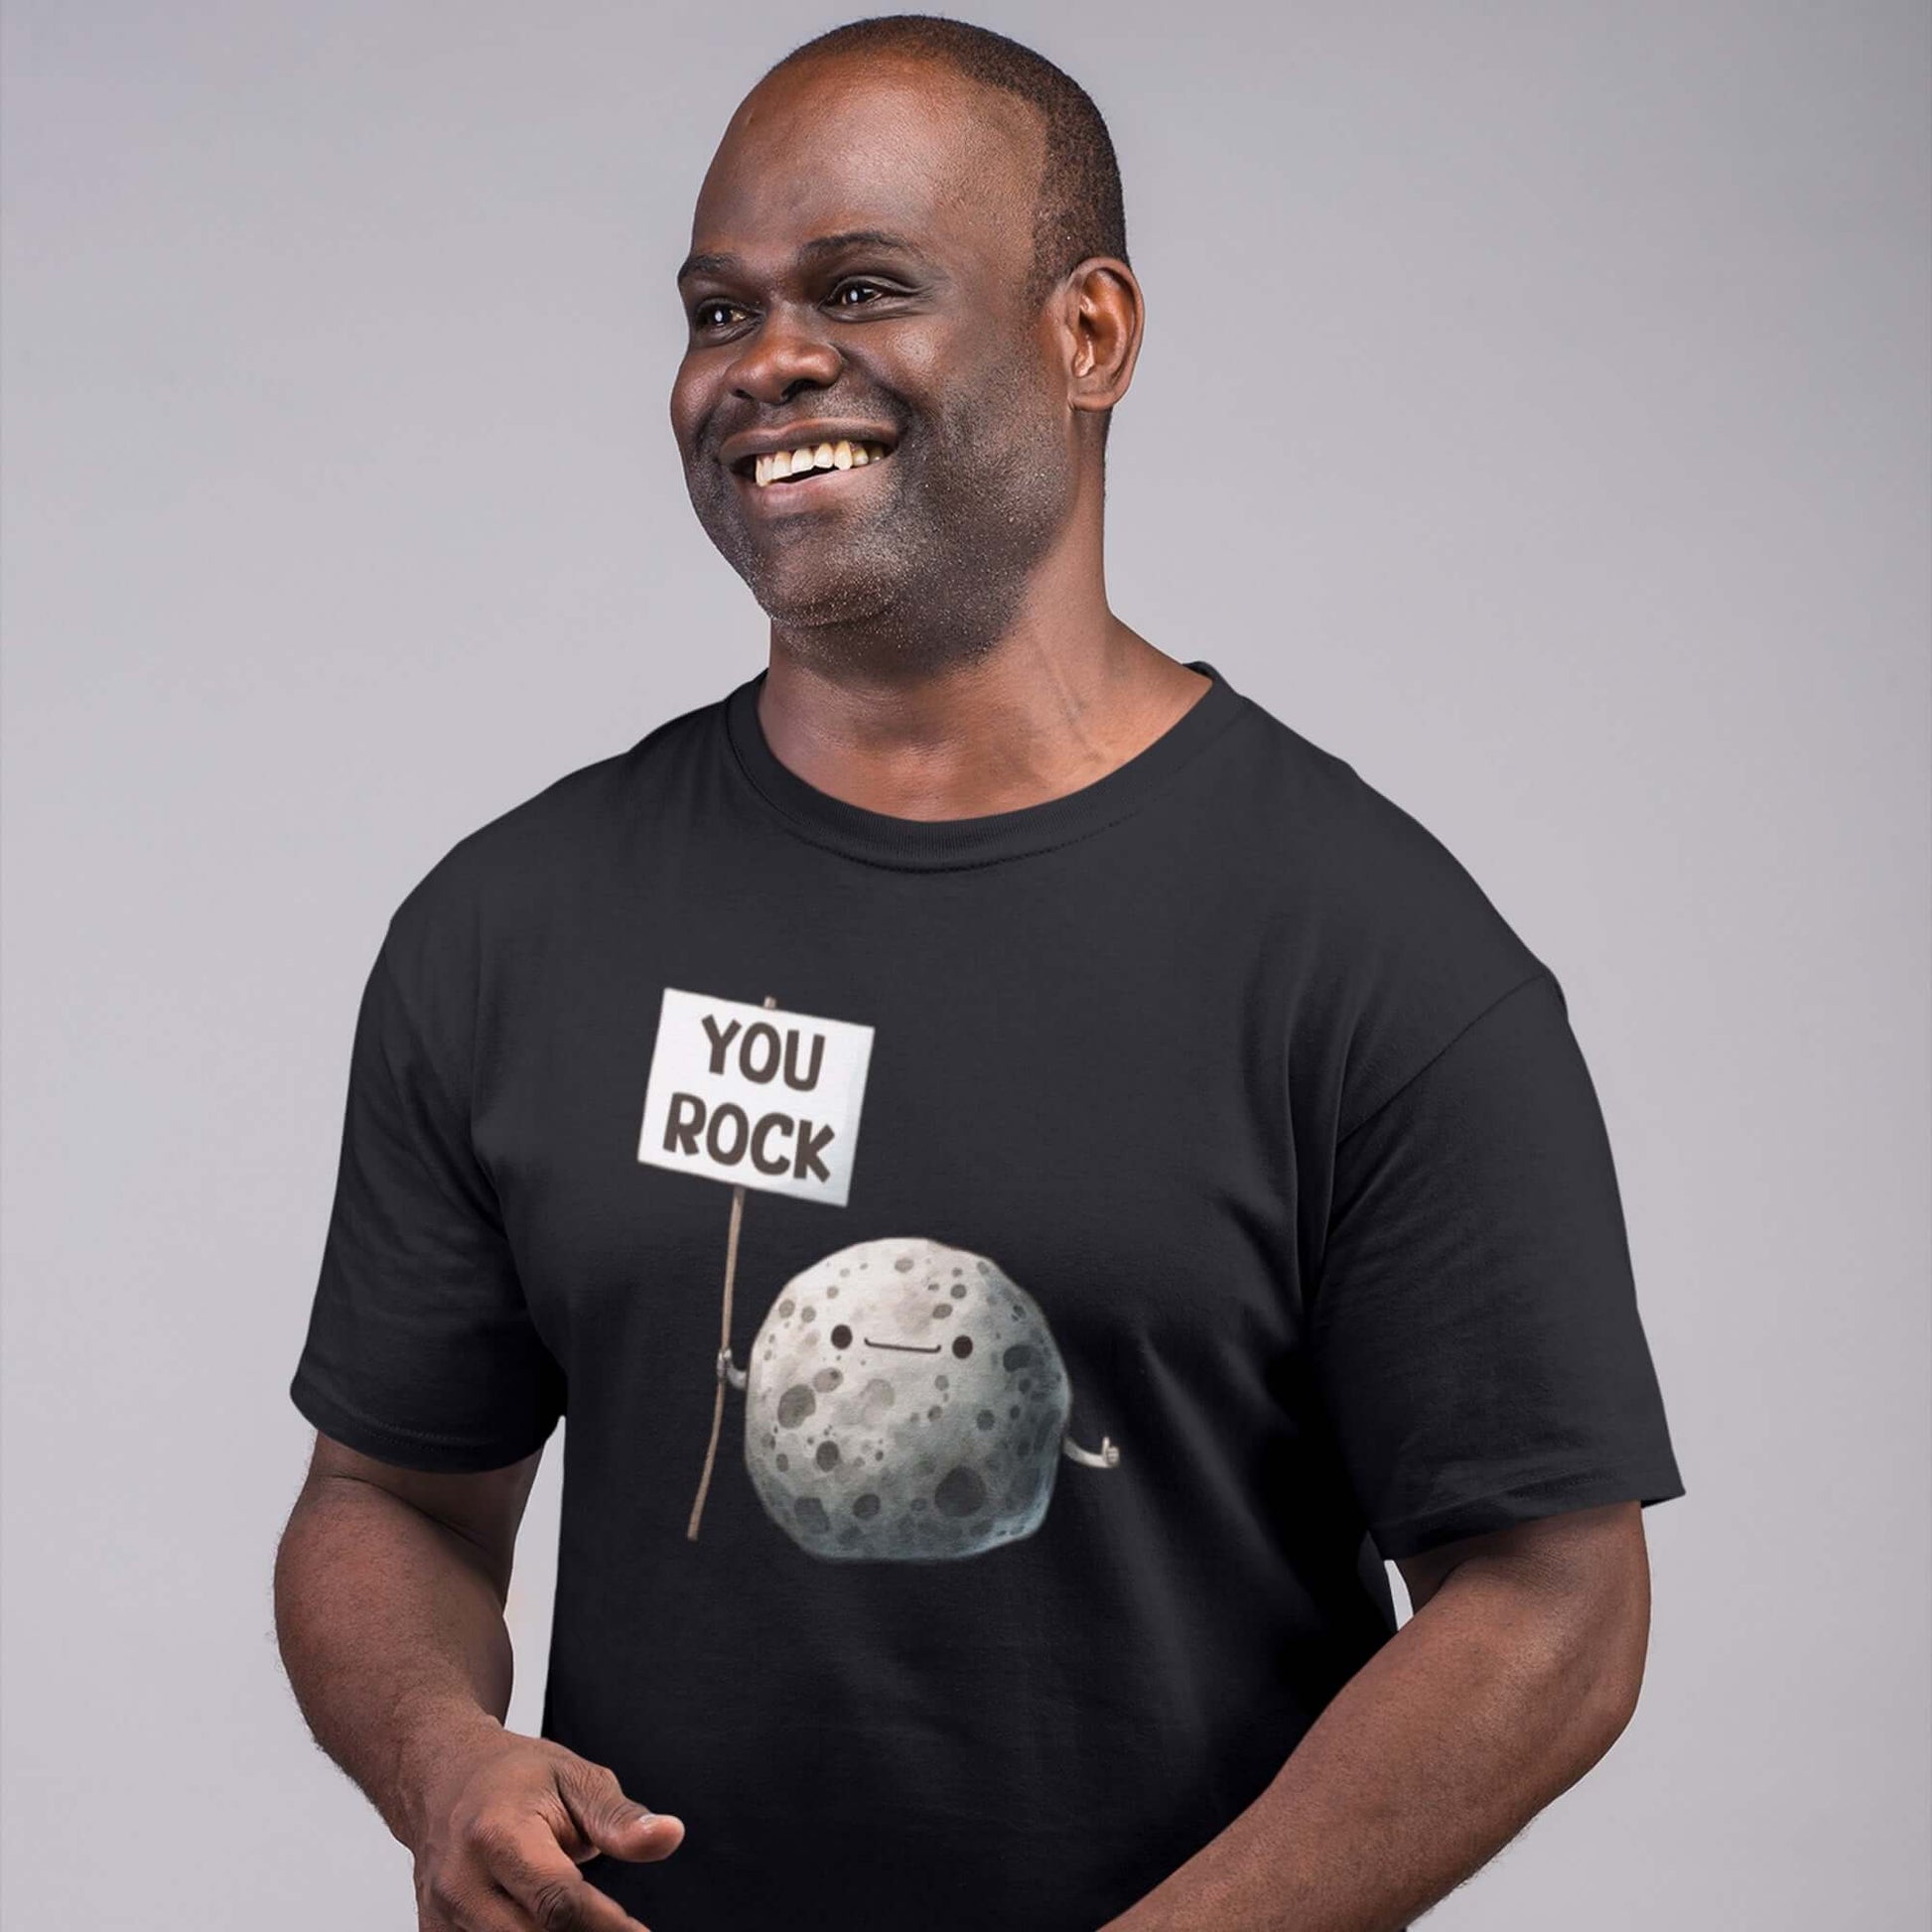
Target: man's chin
{"type": "Point", "coordinates": [804, 595]}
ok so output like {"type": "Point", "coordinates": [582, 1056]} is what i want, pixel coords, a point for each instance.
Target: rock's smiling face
{"type": "Point", "coordinates": [905, 1399]}
{"type": "Point", "coordinates": [898, 1315]}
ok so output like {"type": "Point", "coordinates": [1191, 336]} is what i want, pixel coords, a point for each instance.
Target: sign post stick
{"type": "Point", "coordinates": [724, 1347]}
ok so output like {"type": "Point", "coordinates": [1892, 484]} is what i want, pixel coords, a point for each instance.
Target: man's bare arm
{"type": "Point", "coordinates": [1519, 1669]}
{"type": "Point", "coordinates": [390, 1592]}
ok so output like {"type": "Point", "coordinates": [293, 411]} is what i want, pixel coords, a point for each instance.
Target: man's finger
{"type": "Point", "coordinates": [473, 1903]}
{"type": "Point", "coordinates": [611, 1821]}
{"type": "Point", "coordinates": [542, 1878]}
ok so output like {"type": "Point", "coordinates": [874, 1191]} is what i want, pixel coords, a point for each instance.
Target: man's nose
{"type": "Point", "coordinates": [789, 352]}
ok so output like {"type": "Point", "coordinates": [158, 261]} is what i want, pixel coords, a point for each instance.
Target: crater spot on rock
{"type": "Point", "coordinates": [960, 1493]}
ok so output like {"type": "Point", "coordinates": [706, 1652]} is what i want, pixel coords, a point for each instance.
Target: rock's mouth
{"type": "Point", "coordinates": [906, 1347]}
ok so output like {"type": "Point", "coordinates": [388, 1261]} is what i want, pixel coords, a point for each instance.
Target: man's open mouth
{"type": "Point", "coordinates": [789, 465]}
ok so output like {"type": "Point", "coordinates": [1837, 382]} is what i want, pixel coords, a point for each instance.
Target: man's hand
{"type": "Point", "coordinates": [389, 1592]}
{"type": "Point", "coordinates": [506, 1822]}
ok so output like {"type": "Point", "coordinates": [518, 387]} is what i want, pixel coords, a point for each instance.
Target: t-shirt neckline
{"type": "Point", "coordinates": [922, 844]}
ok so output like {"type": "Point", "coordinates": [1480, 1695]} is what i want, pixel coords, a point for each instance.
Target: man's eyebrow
{"type": "Point", "coordinates": [813, 250]}
{"type": "Point", "coordinates": [832, 244]}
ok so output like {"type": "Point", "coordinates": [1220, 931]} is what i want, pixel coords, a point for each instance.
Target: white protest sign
{"type": "Point", "coordinates": [756, 1095]}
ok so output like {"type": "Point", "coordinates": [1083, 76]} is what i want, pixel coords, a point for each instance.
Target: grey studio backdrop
{"type": "Point", "coordinates": [1533, 411]}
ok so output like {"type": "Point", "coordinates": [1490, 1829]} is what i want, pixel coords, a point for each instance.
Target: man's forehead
{"type": "Point", "coordinates": [888, 149]}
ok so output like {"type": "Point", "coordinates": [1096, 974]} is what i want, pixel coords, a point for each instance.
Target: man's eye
{"type": "Point", "coordinates": [705, 309]}
{"type": "Point", "coordinates": [847, 288]}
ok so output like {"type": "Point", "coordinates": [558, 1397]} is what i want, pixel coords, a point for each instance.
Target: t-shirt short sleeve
{"type": "Point", "coordinates": [420, 1350]}
{"type": "Point", "coordinates": [1474, 1325]}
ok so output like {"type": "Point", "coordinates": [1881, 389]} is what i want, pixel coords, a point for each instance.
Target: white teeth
{"type": "Point", "coordinates": [843, 455]}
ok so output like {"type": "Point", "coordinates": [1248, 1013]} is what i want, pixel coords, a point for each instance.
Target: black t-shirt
{"type": "Point", "coordinates": [1143, 1213]}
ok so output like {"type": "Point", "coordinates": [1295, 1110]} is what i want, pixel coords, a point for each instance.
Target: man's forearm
{"type": "Point", "coordinates": [392, 1632]}
{"type": "Point", "coordinates": [1489, 1702]}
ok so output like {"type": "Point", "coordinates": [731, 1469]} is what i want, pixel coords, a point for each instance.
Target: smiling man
{"type": "Point", "coordinates": [1029, 1178]}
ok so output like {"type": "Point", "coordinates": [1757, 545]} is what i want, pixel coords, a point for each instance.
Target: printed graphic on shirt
{"type": "Point", "coordinates": [907, 1399]}
{"type": "Point", "coordinates": [754, 1095]}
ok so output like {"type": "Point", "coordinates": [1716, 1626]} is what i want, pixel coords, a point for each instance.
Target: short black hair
{"type": "Point", "coordinates": [1080, 212]}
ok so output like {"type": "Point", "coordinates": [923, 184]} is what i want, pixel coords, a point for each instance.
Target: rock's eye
{"type": "Point", "coordinates": [962, 1346]}
{"type": "Point", "coordinates": [841, 1337]}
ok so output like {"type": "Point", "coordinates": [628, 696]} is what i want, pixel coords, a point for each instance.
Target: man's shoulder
{"type": "Point", "coordinates": [1345, 848]}
{"type": "Point", "coordinates": [552, 847]}
{"type": "Point", "coordinates": [1400, 943]}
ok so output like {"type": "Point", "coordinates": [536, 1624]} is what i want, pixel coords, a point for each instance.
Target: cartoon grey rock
{"type": "Point", "coordinates": [905, 1401]}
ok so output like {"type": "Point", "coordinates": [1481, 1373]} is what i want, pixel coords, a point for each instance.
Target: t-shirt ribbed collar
{"type": "Point", "coordinates": [929, 844]}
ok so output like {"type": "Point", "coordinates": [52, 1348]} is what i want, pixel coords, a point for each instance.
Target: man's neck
{"type": "Point", "coordinates": [1042, 712]}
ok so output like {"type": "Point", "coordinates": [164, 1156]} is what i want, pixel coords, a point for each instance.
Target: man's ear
{"type": "Point", "coordinates": [1103, 315]}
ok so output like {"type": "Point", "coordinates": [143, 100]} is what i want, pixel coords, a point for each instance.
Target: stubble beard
{"type": "Point", "coordinates": [937, 577]}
